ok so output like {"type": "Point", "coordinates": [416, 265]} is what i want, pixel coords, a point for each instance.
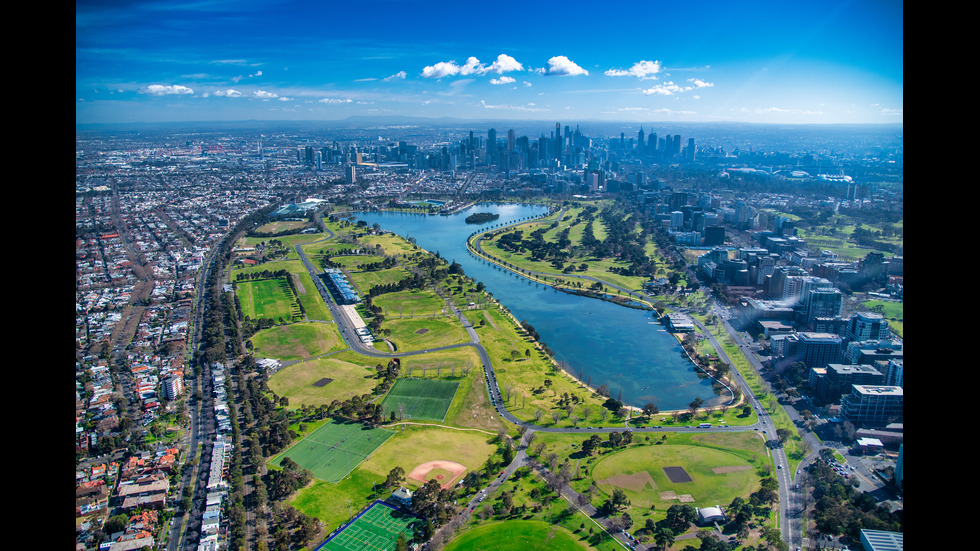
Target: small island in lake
{"type": "Point", "coordinates": [481, 217]}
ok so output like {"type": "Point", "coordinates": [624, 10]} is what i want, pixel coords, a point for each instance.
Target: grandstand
{"type": "Point", "coordinates": [341, 289]}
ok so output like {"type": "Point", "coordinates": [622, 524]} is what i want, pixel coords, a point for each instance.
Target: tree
{"type": "Point", "coordinates": [664, 537]}
{"type": "Point", "coordinates": [651, 409]}
{"type": "Point", "coordinates": [395, 478]}
{"type": "Point", "coordinates": [591, 444]}
{"type": "Point", "coordinates": [695, 405]}
{"type": "Point", "coordinates": [679, 517]}
{"type": "Point", "coordinates": [619, 498]}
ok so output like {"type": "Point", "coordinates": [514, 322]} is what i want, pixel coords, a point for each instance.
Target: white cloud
{"type": "Point", "coordinates": [284, 98]}
{"type": "Point", "coordinates": [229, 93]}
{"type": "Point", "coordinates": [502, 80]}
{"type": "Point", "coordinates": [441, 69]}
{"type": "Point", "coordinates": [562, 66]}
{"type": "Point", "coordinates": [644, 70]}
{"type": "Point", "coordinates": [334, 100]}
{"type": "Point", "coordinates": [472, 66]}
{"type": "Point", "coordinates": [262, 94]}
{"type": "Point", "coordinates": [666, 89]}
{"type": "Point", "coordinates": [669, 88]}
{"type": "Point", "coordinates": [396, 76]}
{"type": "Point", "coordinates": [503, 64]}
{"type": "Point", "coordinates": [162, 90]}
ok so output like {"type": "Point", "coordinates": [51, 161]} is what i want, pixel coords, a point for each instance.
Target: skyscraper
{"type": "Point", "coordinates": [492, 147]}
{"type": "Point", "coordinates": [558, 140]}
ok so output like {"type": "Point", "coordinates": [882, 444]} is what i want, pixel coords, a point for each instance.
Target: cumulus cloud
{"type": "Point", "coordinates": [669, 88]}
{"type": "Point", "coordinates": [562, 66]}
{"type": "Point", "coordinates": [335, 100]}
{"type": "Point", "coordinates": [397, 76]}
{"type": "Point", "coordinates": [643, 70]}
{"type": "Point", "coordinates": [503, 64]}
{"type": "Point", "coordinates": [229, 93]}
{"type": "Point", "coordinates": [165, 90]}
{"type": "Point", "coordinates": [502, 80]}
{"type": "Point", "coordinates": [262, 94]}
{"type": "Point", "coordinates": [441, 69]}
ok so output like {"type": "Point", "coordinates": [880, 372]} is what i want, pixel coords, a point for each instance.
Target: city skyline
{"type": "Point", "coordinates": [757, 62]}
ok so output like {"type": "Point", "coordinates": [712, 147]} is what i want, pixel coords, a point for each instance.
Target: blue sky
{"type": "Point", "coordinates": [830, 61]}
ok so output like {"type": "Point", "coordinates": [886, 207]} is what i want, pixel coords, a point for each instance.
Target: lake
{"type": "Point", "coordinates": [597, 341]}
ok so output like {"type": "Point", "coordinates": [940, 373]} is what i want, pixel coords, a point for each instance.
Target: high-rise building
{"type": "Point", "coordinates": [558, 140]}
{"type": "Point", "coordinates": [867, 326]}
{"type": "Point", "coordinates": [824, 302]}
{"type": "Point", "coordinates": [349, 175]}
{"type": "Point", "coordinates": [492, 147]}
{"type": "Point", "coordinates": [838, 378]}
{"type": "Point", "coordinates": [873, 406]}
{"type": "Point", "coordinates": [640, 142]}
{"type": "Point", "coordinates": [819, 349]}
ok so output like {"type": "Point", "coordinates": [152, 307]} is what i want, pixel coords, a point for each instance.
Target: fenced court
{"type": "Point", "coordinates": [375, 529]}
{"type": "Point", "coordinates": [335, 449]}
{"type": "Point", "coordinates": [420, 398]}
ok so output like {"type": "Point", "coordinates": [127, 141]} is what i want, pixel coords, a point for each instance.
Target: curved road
{"type": "Point", "coordinates": [789, 504]}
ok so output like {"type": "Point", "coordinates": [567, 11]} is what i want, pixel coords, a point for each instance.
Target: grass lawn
{"type": "Point", "coordinates": [423, 333]}
{"type": "Point", "coordinates": [267, 298]}
{"type": "Point", "coordinates": [420, 398]}
{"type": "Point", "coordinates": [525, 375]}
{"type": "Point", "coordinates": [297, 341]}
{"type": "Point", "coordinates": [515, 535]}
{"type": "Point", "coordinates": [312, 301]}
{"type": "Point", "coordinates": [410, 304]}
{"type": "Point", "coordinates": [297, 381]}
{"type": "Point", "coordinates": [638, 471]}
{"type": "Point", "coordinates": [376, 529]}
{"type": "Point", "coordinates": [406, 449]}
{"type": "Point", "coordinates": [698, 453]}
{"type": "Point", "coordinates": [334, 449]}
{"type": "Point", "coordinates": [329, 502]}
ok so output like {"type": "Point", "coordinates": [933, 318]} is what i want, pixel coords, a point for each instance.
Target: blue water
{"type": "Point", "coordinates": [605, 343]}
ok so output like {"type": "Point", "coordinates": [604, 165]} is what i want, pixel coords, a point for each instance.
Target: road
{"type": "Point", "coordinates": [353, 341]}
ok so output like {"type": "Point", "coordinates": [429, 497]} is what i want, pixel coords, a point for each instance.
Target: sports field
{"type": "Point", "coordinates": [335, 449]}
{"type": "Point", "coordinates": [267, 298]}
{"type": "Point", "coordinates": [376, 529]}
{"type": "Point", "coordinates": [420, 398]}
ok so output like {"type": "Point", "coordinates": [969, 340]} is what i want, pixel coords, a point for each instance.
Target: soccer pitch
{"type": "Point", "coordinates": [335, 449]}
{"type": "Point", "coordinates": [420, 398]}
{"type": "Point", "coordinates": [376, 529]}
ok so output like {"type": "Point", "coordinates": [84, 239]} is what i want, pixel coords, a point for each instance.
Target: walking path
{"type": "Point", "coordinates": [348, 333]}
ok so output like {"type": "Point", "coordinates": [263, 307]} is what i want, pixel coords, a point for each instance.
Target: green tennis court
{"type": "Point", "coordinates": [420, 398]}
{"type": "Point", "coordinates": [335, 449]}
{"type": "Point", "coordinates": [376, 529]}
